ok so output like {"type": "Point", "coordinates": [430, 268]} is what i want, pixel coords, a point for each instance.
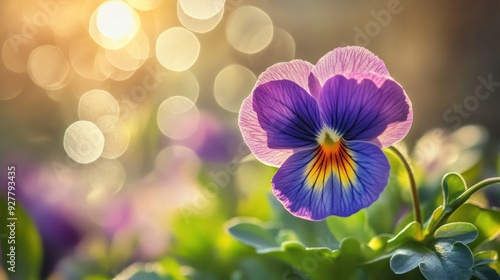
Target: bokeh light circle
{"type": "Point", "coordinates": [232, 85]}
{"type": "Point", "coordinates": [179, 161]}
{"type": "Point", "coordinates": [144, 5]}
{"type": "Point", "coordinates": [196, 24]}
{"type": "Point", "coordinates": [48, 67]}
{"type": "Point", "coordinates": [281, 48]}
{"type": "Point", "coordinates": [113, 24]}
{"type": "Point", "coordinates": [178, 117]}
{"type": "Point", "coordinates": [12, 84]}
{"type": "Point", "coordinates": [83, 142]}
{"type": "Point", "coordinates": [115, 19]}
{"type": "Point", "coordinates": [177, 49]}
{"type": "Point", "coordinates": [249, 29]}
{"type": "Point", "coordinates": [110, 70]}
{"type": "Point", "coordinates": [83, 59]}
{"type": "Point", "coordinates": [116, 135]}
{"type": "Point", "coordinates": [201, 9]}
{"type": "Point", "coordinates": [131, 56]}
{"type": "Point", "coordinates": [106, 177]}
{"type": "Point", "coordinates": [122, 60]}
{"type": "Point", "coordinates": [96, 104]}
{"type": "Point", "coordinates": [16, 51]}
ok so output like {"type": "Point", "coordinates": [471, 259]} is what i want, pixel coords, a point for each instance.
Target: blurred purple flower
{"type": "Point", "coordinates": [59, 235]}
{"type": "Point", "coordinates": [213, 141]}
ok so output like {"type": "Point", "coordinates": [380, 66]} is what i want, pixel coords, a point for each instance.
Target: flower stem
{"type": "Point", "coordinates": [459, 201]}
{"type": "Point", "coordinates": [413, 185]}
{"type": "Point", "coordinates": [470, 191]}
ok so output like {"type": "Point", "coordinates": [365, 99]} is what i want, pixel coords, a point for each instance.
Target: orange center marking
{"type": "Point", "coordinates": [332, 157]}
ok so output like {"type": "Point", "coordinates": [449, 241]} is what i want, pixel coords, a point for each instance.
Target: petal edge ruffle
{"type": "Point", "coordinates": [345, 60]}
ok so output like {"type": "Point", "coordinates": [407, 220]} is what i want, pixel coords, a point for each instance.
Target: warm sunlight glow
{"type": "Point", "coordinates": [113, 24]}
{"type": "Point", "coordinates": [115, 20]}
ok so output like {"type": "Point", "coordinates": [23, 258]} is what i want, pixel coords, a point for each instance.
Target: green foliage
{"type": "Point", "coordinates": [453, 186]}
{"type": "Point", "coordinates": [167, 269]}
{"type": "Point", "coordinates": [459, 232]}
{"type": "Point", "coordinates": [487, 222]}
{"type": "Point", "coordinates": [485, 273]}
{"type": "Point", "coordinates": [445, 255]}
{"type": "Point", "coordinates": [315, 261]}
{"type": "Point", "coordinates": [27, 246]}
{"type": "Point", "coordinates": [442, 251]}
{"type": "Point", "coordinates": [482, 262]}
{"type": "Point", "coordinates": [412, 232]}
{"type": "Point", "coordinates": [254, 233]}
{"type": "Point", "coordinates": [456, 241]}
{"type": "Point", "coordinates": [439, 260]}
{"type": "Point", "coordinates": [356, 226]}
{"type": "Point", "coordinates": [441, 248]}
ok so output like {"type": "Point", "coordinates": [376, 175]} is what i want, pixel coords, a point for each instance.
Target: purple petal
{"type": "Point", "coordinates": [344, 60]}
{"type": "Point", "coordinates": [288, 114]}
{"type": "Point", "coordinates": [253, 134]}
{"type": "Point", "coordinates": [316, 183]}
{"type": "Point", "coordinates": [256, 138]}
{"type": "Point", "coordinates": [366, 107]}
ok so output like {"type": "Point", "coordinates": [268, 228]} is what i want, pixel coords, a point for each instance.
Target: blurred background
{"type": "Point", "coordinates": [121, 116]}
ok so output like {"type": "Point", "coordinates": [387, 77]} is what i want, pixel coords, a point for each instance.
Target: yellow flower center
{"type": "Point", "coordinates": [331, 157]}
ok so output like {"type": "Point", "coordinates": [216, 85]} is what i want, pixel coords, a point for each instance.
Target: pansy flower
{"type": "Point", "coordinates": [324, 126]}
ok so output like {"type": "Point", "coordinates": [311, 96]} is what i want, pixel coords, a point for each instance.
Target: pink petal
{"type": "Point", "coordinates": [253, 134]}
{"type": "Point", "coordinates": [395, 132]}
{"type": "Point", "coordinates": [296, 71]}
{"type": "Point", "coordinates": [344, 60]}
{"type": "Point", "coordinates": [256, 138]}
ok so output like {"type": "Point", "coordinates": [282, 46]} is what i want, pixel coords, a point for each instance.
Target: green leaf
{"type": "Point", "coordinates": [315, 262]}
{"type": "Point", "coordinates": [434, 219]}
{"type": "Point", "coordinates": [258, 267]}
{"type": "Point", "coordinates": [254, 233]}
{"type": "Point", "coordinates": [350, 256]}
{"type": "Point", "coordinates": [453, 185]}
{"type": "Point", "coordinates": [404, 221]}
{"type": "Point", "coordinates": [293, 248]}
{"type": "Point", "coordinates": [27, 247]}
{"type": "Point", "coordinates": [408, 258]}
{"type": "Point", "coordinates": [412, 232]}
{"type": "Point", "coordinates": [286, 235]}
{"type": "Point", "coordinates": [167, 269]}
{"type": "Point", "coordinates": [441, 259]}
{"type": "Point", "coordinates": [481, 269]}
{"type": "Point", "coordinates": [485, 273]}
{"type": "Point", "coordinates": [356, 226]}
{"type": "Point", "coordinates": [458, 231]}
{"type": "Point", "coordinates": [379, 243]}
{"type": "Point", "coordinates": [318, 263]}
{"type": "Point", "coordinates": [310, 233]}
{"type": "Point", "coordinates": [445, 257]}
{"type": "Point", "coordinates": [487, 222]}
{"type": "Point", "coordinates": [485, 257]}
